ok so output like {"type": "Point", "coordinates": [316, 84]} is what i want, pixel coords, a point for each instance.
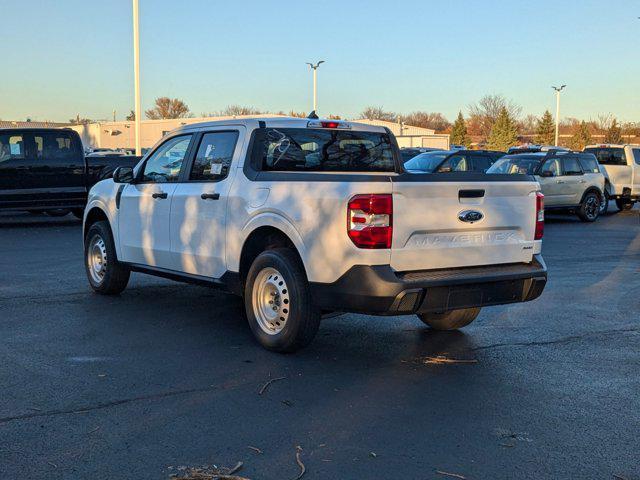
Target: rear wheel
{"type": "Point", "coordinates": [451, 320]}
{"type": "Point", "coordinates": [106, 275]}
{"type": "Point", "coordinates": [278, 302]}
{"type": "Point", "coordinates": [624, 204]}
{"type": "Point", "coordinates": [589, 209]}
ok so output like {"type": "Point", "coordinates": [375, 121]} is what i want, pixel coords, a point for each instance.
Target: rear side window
{"type": "Point", "coordinates": [11, 147]}
{"type": "Point", "coordinates": [319, 150]}
{"type": "Point", "coordinates": [636, 155]}
{"type": "Point", "coordinates": [608, 156]}
{"type": "Point", "coordinates": [571, 166]}
{"type": "Point", "coordinates": [214, 156]}
{"type": "Point", "coordinates": [588, 163]}
{"type": "Point", "coordinates": [54, 146]}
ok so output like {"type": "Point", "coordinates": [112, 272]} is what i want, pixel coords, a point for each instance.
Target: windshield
{"type": "Point", "coordinates": [426, 162]}
{"type": "Point", "coordinates": [515, 164]}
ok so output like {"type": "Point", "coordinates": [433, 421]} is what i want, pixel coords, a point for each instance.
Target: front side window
{"type": "Point", "coordinates": [214, 156]}
{"type": "Point", "coordinates": [164, 165]}
{"type": "Point", "coordinates": [571, 166]}
{"type": "Point", "coordinates": [318, 150]}
{"type": "Point", "coordinates": [455, 163]}
{"type": "Point", "coordinates": [425, 162]}
{"type": "Point", "coordinates": [515, 165]}
{"type": "Point", "coordinates": [11, 147]}
{"type": "Point", "coordinates": [53, 146]}
{"type": "Point", "coordinates": [552, 166]}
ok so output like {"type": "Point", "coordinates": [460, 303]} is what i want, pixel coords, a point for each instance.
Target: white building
{"type": "Point", "coordinates": [122, 134]}
{"type": "Point", "coordinates": [410, 136]}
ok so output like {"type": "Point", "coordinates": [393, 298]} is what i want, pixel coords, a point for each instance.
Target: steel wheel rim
{"type": "Point", "coordinates": [270, 301]}
{"type": "Point", "coordinates": [97, 259]}
{"type": "Point", "coordinates": [591, 207]}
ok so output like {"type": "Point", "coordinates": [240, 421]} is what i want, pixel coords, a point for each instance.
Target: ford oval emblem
{"type": "Point", "coordinates": [470, 216]}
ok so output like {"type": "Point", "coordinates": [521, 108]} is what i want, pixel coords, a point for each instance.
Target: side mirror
{"type": "Point", "coordinates": [546, 173]}
{"type": "Point", "coordinates": [123, 175]}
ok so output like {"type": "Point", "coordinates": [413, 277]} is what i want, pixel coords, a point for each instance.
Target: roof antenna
{"type": "Point", "coordinates": [313, 115]}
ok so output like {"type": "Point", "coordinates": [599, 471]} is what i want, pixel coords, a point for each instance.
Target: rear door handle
{"type": "Point", "coordinates": [159, 195]}
{"type": "Point", "coordinates": [210, 196]}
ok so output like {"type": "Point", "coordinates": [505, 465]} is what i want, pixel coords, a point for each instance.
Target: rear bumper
{"type": "Point", "coordinates": [379, 290]}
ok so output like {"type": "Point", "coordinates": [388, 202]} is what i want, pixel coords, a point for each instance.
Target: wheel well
{"type": "Point", "coordinates": [95, 215]}
{"type": "Point", "coordinates": [261, 239]}
{"type": "Point", "coordinates": [589, 190]}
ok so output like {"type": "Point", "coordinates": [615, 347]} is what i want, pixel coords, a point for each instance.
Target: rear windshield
{"type": "Point", "coordinates": [608, 155]}
{"type": "Point", "coordinates": [515, 164]}
{"type": "Point", "coordinates": [426, 162]}
{"type": "Point", "coordinates": [317, 150]}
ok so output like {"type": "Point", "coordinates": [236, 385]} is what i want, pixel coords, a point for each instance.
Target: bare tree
{"type": "Point", "coordinates": [378, 113]}
{"type": "Point", "coordinates": [528, 125]}
{"type": "Point", "coordinates": [79, 121]}
{"type": "Point", "coordinates": [485, 113]}
{"type": "Point", "coordinates": [168, 108]}
{"type": "Point", "coordinates": [432, 120]}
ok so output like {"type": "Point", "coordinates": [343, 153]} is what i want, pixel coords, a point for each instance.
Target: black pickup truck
{"type": "Point", "coordinates": [46, 170]}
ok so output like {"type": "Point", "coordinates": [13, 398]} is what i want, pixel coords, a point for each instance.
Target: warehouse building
{"type": "Point", "coordinates": [122, 134]}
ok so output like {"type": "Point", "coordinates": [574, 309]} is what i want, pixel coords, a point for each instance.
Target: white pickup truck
{"type": "Point", "coordinates": [304, 217]}
{"type": "Point", "coordinates": [621, 164]}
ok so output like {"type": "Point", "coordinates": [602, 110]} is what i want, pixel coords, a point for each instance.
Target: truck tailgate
{"type": "Point", "coordinates": [479, 220]}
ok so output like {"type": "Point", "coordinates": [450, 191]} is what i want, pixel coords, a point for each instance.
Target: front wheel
{"type": "Point", "coordinates": [589, 209]}
{"type": "Point", "coordinates": [106, 275]}
{"type": "Point", "coordinates": [278, 302]}
{"type": "Point", "coordinates": [451, 320]}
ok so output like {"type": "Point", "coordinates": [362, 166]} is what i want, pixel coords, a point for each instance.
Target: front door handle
{"type": "Point", "coordinates": [159, 195]}
{"type": "Point", "coordinates": [210, 196]}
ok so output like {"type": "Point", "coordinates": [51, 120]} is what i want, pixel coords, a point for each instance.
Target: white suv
{"type": "Point", "coordinates": [303, 217]}
{"type": "Point", "coordinates": [621, 164]}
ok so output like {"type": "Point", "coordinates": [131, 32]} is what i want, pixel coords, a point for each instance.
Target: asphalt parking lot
{"type": "Point", "coordinates": [168, 375]}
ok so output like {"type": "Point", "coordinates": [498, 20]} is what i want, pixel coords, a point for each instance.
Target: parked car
{"type": "Point", "coordinates": [569, 180]}
{"type": "Point", "coordinates": [408, 153]}
{"type": "Point", "coordinates": [453, 161]}
{"type": "Point", "coordinates": [45, 170]}
{"type": "Point", "coordinates": [533, 148]}
{"type": "Point", "coordinates": [302, 217]}
{"type": "Point", "coordinates": [621, 164]}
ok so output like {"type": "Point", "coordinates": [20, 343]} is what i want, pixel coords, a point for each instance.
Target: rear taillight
{"type": "Point", "coordinates": [539, 216]}
{"type": "Point", "coordinates": [369, 220]}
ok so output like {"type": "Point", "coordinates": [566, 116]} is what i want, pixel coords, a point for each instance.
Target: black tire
{"type": "Point", "coordinates": [78, 213]}
{"type": "Point", "coordinates": [115, 275]}
{"type": "Point", "coordinates": [58, 212]}
{"type": "Point", "coordinates": [299, 328]}
{"type": "Point", "coordinates": [451, 320]}
{"type": "Point", "coordinates": [589, 209]}
{"type": "Point", "coordinates": [624, 204]}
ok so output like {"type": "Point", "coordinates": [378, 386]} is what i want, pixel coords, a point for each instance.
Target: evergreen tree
{"type": "Point", "coordinates": [581, 138]}
{"type": "Point", "coordinates": [459, 132]}
{"type": "Point", "coordinates": [614, 133]}
{"type": "Point", "coordinates": [546, 130]}
{"type": "Point", "coordinates": [504, 133]}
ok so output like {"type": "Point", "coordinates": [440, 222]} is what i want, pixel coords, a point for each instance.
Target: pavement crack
{"type": "Point", "coordinates": [558, 341]}
{"type": "Point", "coordinates": [115, 403]}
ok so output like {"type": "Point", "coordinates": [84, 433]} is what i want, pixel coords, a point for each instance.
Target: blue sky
{"type": "Point", "coordinates": [62, 58]}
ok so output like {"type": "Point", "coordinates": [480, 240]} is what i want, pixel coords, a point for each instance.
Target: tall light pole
{"type": "Point", "coordinates": [558, 90]}
{"type": "Point", "coordinates": [136, 74]}
{"type": "Point", "coordinates": [315, 82]}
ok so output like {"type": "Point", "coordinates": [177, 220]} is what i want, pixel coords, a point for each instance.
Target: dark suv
{"type": "Point", "coordinates": [453, 161]}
